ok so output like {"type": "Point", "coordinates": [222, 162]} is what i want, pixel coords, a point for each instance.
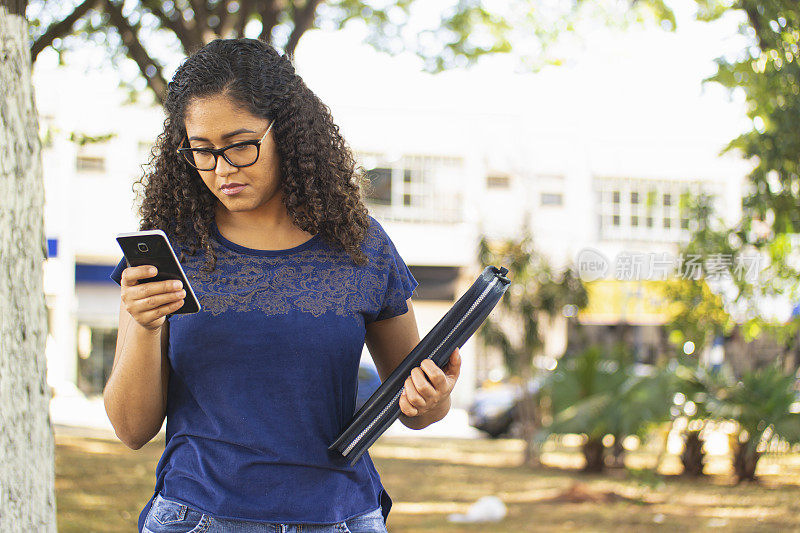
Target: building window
{"type": "Point", "coordinates": [85, 163]}
{"type": "Point", "coordinates": [96, 348]}
{"type": "Point", "coordinates": [646, 209]}
{"type": "Point", "coordinates": [419, 188]}
{"type": "Point", "coordinates": [435, 282]}
{"type": "Point", "coordinates": [552, 198]}
{"type": "Point", "coordinates": [498, 181]}
{"type": "Point", "coordinates": [380, 189]}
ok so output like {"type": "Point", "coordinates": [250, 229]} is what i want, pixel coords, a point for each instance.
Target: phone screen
{"type": "Point", "coordinates": [152, 247]}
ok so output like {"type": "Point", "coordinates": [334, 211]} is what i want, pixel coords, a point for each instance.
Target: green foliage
{"type": "Point", "coordinates": [466, 30]}
{"type": "Point", "coordinates": [698, 313]}
{"type": "Point", "coordinates": [762, 403]}
{"type": "Point", "coordinates": [753, 271]}
{"type": "Point", "coordinates": [537, 290]}
{"type": "Point", "coordinates": [769, 76]}
{"type": "Point", "coordinates": [82, 139]}
{"type": "Point", "coordinates": [597, 392]}
{"type": "Point", "coordinates": [646, 477]}
{"type": "Point", "coordinates": [700, 386]}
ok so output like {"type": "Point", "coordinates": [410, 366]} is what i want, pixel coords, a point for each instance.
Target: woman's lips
{"type": "Point", "coordinates": [233, 190]}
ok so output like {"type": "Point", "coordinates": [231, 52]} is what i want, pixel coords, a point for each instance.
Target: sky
{"type": "Point", "coordinates": [620, 84]}
{"type": "Point", "coordinates": [617, 83]}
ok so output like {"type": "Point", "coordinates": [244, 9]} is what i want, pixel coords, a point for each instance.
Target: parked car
{"type": "Point", "coordinates": [494, 408]}
{"type": "Point", "coordinates": [368, 382]}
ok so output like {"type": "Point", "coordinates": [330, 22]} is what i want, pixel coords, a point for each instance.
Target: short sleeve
{"type": "Point", "coordinates": [116, 274]}
{"type": "Point", "coordinates": [400, 283]}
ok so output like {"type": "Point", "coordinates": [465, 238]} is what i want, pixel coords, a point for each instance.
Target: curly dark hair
{"type": "Point", "coordinates": [321, 180]}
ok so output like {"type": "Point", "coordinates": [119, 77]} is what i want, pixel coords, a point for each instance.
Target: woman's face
{"type": "Point", "coordinates": [210, 121]}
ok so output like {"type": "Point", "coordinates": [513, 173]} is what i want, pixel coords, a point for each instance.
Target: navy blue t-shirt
{"type": "Point", "coordinates": [264, 378]}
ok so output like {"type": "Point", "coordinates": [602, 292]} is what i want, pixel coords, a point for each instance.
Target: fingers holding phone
{"type": "Point", "coordinates": [149, 303]}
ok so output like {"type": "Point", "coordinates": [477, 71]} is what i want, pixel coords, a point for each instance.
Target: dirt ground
{"type": "Point", "coordinates": [101, 486]}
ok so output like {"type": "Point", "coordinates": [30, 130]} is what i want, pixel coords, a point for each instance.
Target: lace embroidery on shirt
{"type": "Point", "coordinates": [316, 280]}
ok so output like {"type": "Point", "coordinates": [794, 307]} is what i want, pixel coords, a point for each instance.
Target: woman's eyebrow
{"type": "Point", "coordinates": [224, 136]}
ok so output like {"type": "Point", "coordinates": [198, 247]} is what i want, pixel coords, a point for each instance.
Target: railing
{"type": "Point", "coordinates": [435, 208]}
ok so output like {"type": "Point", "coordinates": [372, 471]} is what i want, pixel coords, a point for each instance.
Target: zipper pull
{"type": "Point", "coordinates": [501, 275]}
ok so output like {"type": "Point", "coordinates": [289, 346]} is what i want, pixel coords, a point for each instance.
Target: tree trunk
{"type": "Point", "coordinates": [27, 484]}
{"type": "Point", "coordinates": [617, 453]}
{"type": "Point", "coordinates": [529, 418]}
{"type": "Point", "coordinates": [745, 459]}
{"type": "Point", "coordinates": [693, 456]}
{"type": "Point", "coordinates": [529, 423]}
{"type": "Point", "coordinates": [594, 452]}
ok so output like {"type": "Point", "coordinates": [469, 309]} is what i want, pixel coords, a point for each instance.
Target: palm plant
{"type": "Point", "coordinates": [698, 387]}
{"type": "Point", "coordinates": [763, 406]}
{"type": "Point", "coordinates": [596, 392]}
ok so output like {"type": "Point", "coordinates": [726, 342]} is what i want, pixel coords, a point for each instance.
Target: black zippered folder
{"type": "Point", "coordinates": [452, 330]}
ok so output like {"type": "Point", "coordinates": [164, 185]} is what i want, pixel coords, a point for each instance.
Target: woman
{"type": "Point", "coordinates": [296, 276]}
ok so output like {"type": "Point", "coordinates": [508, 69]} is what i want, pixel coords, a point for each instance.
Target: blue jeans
{"type": "Point", "coordinates": [167, 516]}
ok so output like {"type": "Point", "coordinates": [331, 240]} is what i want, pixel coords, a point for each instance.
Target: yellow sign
{"type": "Point", "coordinates": [633, 302]}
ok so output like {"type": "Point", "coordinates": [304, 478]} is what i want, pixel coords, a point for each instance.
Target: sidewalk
{"type": "Point", "coordinates": [72, 413]}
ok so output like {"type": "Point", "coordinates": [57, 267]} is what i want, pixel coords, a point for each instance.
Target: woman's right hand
{"type": "Point", "coordinates": [149, 303]}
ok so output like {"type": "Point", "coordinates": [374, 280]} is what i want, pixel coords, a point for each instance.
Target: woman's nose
{"type": "Point", "coordinates": [224, 168]}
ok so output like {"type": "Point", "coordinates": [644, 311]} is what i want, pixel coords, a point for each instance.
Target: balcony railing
{"type": "Point", "coordinates": [431, 208]}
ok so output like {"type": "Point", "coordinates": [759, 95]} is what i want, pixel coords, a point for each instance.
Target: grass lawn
{"type": "Point", "coordinates": [101, 486]}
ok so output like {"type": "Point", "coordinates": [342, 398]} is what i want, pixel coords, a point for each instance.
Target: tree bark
{"type": "Point", "coordinates": [617, 453]}
{"type": "Point", "coordinates": [693, 456]}
{"type": "Point", "coordinates": [528, 417]}
{"type": "Point", "coordinates": [27, 477]}
{"type": "Point", "coordinates": [745, 460]}
{"type": "Point", "coordinates": [594, 454]}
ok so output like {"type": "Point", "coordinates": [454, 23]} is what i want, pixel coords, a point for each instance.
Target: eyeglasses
{"type": "Point", "coordinates": [241, 154]}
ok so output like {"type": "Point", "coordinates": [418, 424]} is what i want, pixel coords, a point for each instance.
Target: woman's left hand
{"type": "Point", "coordinates": [429, 386]}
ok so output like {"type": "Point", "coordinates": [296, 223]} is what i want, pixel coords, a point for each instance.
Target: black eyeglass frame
{"type": "Point", "coordinates": [216, 152]}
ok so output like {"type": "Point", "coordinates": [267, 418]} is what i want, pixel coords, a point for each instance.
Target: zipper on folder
{"type": "Point", "coordinates": [394, 400]}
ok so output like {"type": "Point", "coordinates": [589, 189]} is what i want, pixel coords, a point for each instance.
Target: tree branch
{"type": "Point", "coordinates": [245, 12]}
{"type": "Point", "coordinates": [270, 9]}
{"type": "Point", "coordinates": [61, 28]}
{"type": "Point", "coordinates": [227, 19]}
{"type": "Point", "coordinates": [200, 12]}
{"type": "Point", "coordinates": [221, 10]}
{"type": "Point", "coordinates": [303, 20]}
{"type": "Point", "coordinates": [136, 51]}
{"type": "Point", "coordinates": [177, 25]}
{"type": "Point", "coordinates": [203, 32]}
